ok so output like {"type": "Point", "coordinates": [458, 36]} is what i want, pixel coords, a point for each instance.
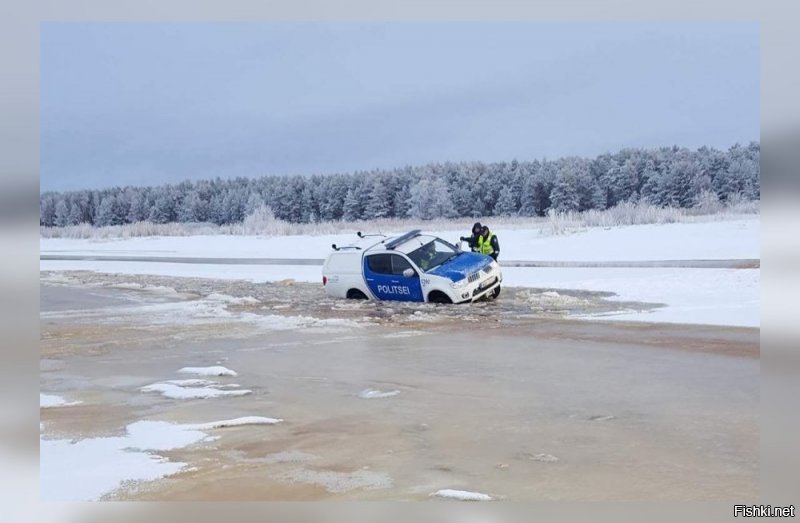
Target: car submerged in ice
{"type": "Point", "coordinates": [411, 267]}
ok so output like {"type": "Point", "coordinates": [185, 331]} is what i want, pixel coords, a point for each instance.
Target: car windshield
{"type": "Point", "coordinates": [432, 254]}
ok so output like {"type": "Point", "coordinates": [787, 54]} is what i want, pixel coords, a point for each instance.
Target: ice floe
{"type": "Point", "coordinates": [208, 371]}
{"type": "Point", "coordinates": [369, 394]}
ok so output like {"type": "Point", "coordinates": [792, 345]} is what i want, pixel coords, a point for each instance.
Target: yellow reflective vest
{"type": "Point", "coordinates": [485, 244]}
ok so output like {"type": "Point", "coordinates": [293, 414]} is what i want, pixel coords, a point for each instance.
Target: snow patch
{"type": "Point", "coordinates": [215, 370]}
{"type": "Point", "coordinates": [462, 495]}
{"type": "Point", "coordinates": [50, 400]}
{"type": "Point", "coordinates": [87, 469]}
{"type": "Point", "coordinates": [171, 391]}
{"type": "Point", "coordinates": [236, 422]}
{"type": "Point", "coordinates": [192, 383]}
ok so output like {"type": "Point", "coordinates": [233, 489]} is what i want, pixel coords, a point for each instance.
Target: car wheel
{"type": "Point", "coordinates": [355, 294]}
{"type": "Point", "coordinates": [439, 297]}
{"type": "Point", "coordinates": [495, 293]}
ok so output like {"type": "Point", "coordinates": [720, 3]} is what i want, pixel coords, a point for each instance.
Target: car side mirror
{"type": "Point", "coordinates": [409, 273]}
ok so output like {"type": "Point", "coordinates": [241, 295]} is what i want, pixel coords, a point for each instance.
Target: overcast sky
{"type": "Point", "coordinates": [144, 103]}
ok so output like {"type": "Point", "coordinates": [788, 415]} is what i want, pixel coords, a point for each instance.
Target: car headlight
{"type": "Point", "coordinates": [458, 284]}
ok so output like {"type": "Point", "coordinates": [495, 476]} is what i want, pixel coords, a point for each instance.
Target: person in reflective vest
{"type": "Point", "coordinates": [487, 243]}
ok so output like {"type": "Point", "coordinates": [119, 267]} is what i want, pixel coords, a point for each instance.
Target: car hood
{"type": "Point", "coordinates": [461, 266]}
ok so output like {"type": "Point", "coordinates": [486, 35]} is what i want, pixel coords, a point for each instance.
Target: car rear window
{"type": "Point", "coordinates": [387, 263]}
{"type": "Point", "coordinates": [380, 263]}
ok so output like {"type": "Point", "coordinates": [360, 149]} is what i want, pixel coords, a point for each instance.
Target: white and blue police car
{"type": "Point", "coordinates": [411, 267]}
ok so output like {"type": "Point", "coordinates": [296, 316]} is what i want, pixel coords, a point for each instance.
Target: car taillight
{"type": "Point", "coordinates": [324, 280]}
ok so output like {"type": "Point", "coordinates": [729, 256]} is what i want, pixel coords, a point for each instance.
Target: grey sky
{"type": "Point", "coordinates": [145, 103]}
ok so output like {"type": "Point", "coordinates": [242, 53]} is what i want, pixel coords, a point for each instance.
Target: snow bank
{"type": "Point", "coordinates": [462, 495]}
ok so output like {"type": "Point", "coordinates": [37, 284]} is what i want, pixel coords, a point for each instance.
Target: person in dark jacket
{"type": "Point", "coordinates": [473, 240]}
{"type": "Point", "coordinates": [487, 243]}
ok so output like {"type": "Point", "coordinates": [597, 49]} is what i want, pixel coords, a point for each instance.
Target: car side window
{"type": "Point", "coordinates": [399, 264]}
{"type": "Point", "coordinates": [380, 263]}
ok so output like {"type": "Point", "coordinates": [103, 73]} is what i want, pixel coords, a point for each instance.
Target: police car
{"type": "Point", "coordinates": [411, 267]}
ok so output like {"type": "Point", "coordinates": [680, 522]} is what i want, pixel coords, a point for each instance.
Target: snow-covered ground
{"type": "Point", "coordinates": [705, 296]}
{"type": "Point", "coordinates": [701, 296]}
{"type": "Point", "coordinates": [677, 241]}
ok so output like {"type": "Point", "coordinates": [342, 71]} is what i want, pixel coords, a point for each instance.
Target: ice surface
{"type": "Point", "coordinates": [698, 296]}
{"type": "Point", "coordinates": [730, 238]}
{"type": "Point", "coordinates": [289, 456]}
{"type": "Point", "coordinates": [337, 482]}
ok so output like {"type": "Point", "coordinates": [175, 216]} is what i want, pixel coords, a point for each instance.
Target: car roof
{"type": "Point", "coordinates": [393, 243]}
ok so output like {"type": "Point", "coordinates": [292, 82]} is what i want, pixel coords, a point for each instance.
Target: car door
{"type": "Point", "coordinates": [383, 274]}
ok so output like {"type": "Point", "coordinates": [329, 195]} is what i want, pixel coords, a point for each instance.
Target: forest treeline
{"type": "Point", "coordinates": [668, 177]}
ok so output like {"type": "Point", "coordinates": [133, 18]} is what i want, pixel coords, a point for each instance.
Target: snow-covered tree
{"type": "Point", "coordinates": [379, 201]}
{"type": "Point", "coordinates": [508, 202]}
{"type": "Point", "coordinates": [106, 212]}
{"type": "Point", "coordinates": [431, 199]}
{"type": "Point", "coordinates": [163, 209]}
{"type": "Point", "coordinates": [139, 210]}
{"type": "Point", "coordinates": [61, 213]}
{"type": "Point", "coordinates": [565, 195]}
{"type": "Point", "coordinates": [351, 210]}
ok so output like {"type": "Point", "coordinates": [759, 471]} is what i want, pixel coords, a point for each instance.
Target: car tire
{"type": "Point", "coordinates": [355, 294]}
{"type": "Point", "coordinates": [495, 293]}
{"type": "Point", "coordinates": [439, 297]}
